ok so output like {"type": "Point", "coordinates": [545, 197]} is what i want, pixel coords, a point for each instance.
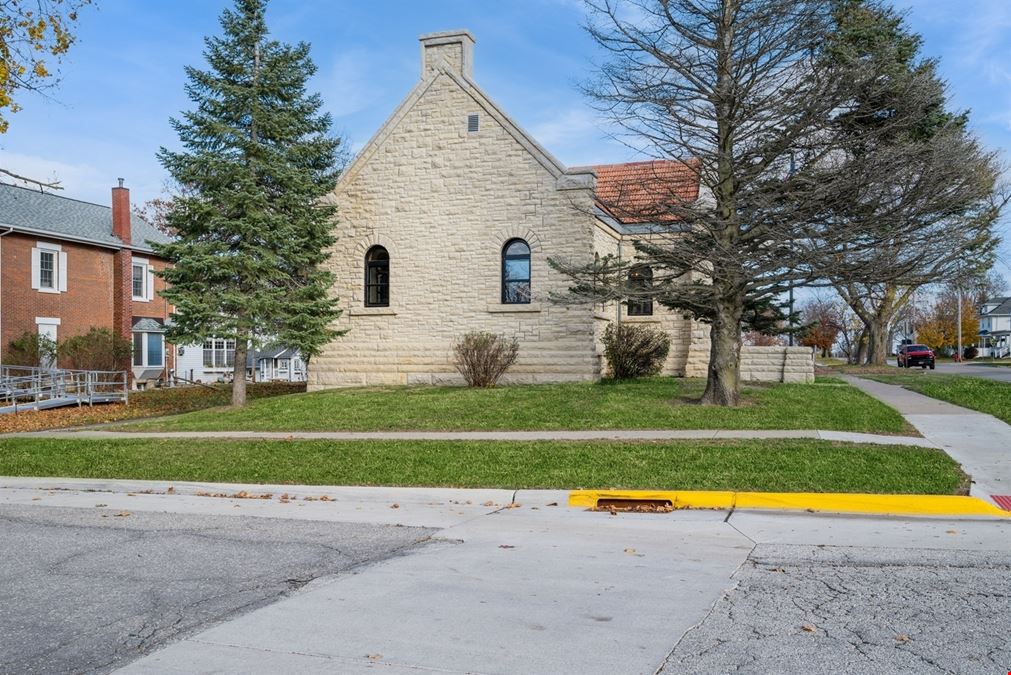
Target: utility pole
{"type": "Point", "coordinates": [959, 358]}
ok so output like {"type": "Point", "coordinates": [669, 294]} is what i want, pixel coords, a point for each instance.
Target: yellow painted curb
{"type": "Point", "coordinates": [887, 505]}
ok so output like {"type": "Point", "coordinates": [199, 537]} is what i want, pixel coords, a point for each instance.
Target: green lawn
{"type": "Point", "coordinates": [799, 465]}
{"type": "Point", "coordinates": [655, 403]}
{"type": "Point", "coordinates": [987, 396]}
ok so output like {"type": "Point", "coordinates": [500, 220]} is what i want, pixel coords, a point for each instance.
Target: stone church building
{"type": "Point", "coordinates": [447, 219]}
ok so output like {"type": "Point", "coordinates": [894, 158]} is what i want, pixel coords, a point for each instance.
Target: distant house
{"type": "Point", "coordinates": [995, 327]}
{"type": "Point", "coordinates": [67, 266]}
{"type": "Point", "coordinates": [277, 364]}
{"type": "Point", "coordinates": [213, 362]}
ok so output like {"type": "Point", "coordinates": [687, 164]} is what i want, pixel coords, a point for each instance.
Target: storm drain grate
{"type": "Point", "coordinates": [635, 505]}
{"type": "Point", "coordinates": [1003, 501]}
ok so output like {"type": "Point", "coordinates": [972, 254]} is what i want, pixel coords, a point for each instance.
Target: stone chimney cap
{"type": "Point", "coordinates": [447, 36]}
{"type": "Point", "coordinates": [451, 48]}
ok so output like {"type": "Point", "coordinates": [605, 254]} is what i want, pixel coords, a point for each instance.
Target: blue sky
{"type": "Point", "coordinates": [124, 78]}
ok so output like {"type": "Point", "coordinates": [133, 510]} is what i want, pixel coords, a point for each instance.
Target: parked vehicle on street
{"type": "Point", "coordinates": [915, 355]}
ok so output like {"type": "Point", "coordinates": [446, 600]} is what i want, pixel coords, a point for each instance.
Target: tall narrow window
{"type": "Point", "coordinates": [377, 277]}
{"type": "Point", "coordinates": [140, 282]}
{"type": "Point", "coordinates": [516, 273]}
{"type": "Point", "coordinates": [47, 269]}
{"type": "Point", "coordinates": [640, 278]}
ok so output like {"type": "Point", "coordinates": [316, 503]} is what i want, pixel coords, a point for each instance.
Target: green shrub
{"type": "Point", "coordinates": [634, 350]}
{"type": "Point", "coordinates": [98, 349]}
{"type": "Point", "coordinates": [482, 358]}
{"type": "Point", "coordinates": [31, 350]}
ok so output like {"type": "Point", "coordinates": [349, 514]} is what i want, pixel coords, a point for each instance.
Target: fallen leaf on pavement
{"type": "Point", "coordinates": [489, 503]}
{"type": "Point", "coordinates": [170, 491]}
{"type": "Point", "coordinates": [553, 504]}
{"type": "Point", "coordinates": [98, 506]}
{"type": "Point", "coordinates": [951, 532]}
{"type": "Point", "coordinates": [394, 506]}
{"type": "Point", "coordinates": [375, 657]}
{"type": "Point", "coordinates": [808, 628]}
{"type": "Point", "coordinates": [122, 514]}
{"type": "Point", "coordinates": [506, 546]}
{"type": "Point", "coordinates": [902, 637]}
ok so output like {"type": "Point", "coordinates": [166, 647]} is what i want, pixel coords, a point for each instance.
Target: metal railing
{"type": "Point", "coordinates": [24, 387]}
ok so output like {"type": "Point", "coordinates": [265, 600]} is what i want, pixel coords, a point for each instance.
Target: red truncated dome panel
{"type": "Point", "coordinates": [1003, 501]}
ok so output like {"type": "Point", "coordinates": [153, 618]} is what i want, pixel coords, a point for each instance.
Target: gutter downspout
{"type": "Point", "coordinates": [2, 235]}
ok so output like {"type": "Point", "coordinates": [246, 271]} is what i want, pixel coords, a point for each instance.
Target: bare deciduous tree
{"type": "Point", "coordinates": [747, 90]}
{"type": "Point", "coordinates": [951, 184]}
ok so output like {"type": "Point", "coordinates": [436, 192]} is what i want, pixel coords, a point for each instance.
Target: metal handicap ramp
{"type": "Point", "coordinates": [26, 388]}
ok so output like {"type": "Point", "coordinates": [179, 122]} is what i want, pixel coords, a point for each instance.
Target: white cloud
{"type": "Point", "coordinates": [81, 180]}
{"type": "Point", "coordinates": [347, 86]}
{"type": "Point", "coordinates": [578, 137]}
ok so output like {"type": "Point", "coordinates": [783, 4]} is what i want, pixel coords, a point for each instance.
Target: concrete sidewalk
{"type": "Point", "coordinates": [511, 584]}
{"type": "Point", "coordinates": [549, 435]}
{"type": "Point", "coordinates": [980, 443]}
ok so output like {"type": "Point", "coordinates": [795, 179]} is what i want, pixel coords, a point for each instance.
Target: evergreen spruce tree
{"type": "Point", "coordinates": [252, 224]}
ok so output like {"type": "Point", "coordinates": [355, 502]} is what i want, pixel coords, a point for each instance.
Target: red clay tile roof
{"type": "Point", "coordinates": [642, 192]}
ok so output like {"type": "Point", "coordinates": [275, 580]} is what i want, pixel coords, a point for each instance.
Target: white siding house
{"type": "Point", "coordinates": [995, 328]}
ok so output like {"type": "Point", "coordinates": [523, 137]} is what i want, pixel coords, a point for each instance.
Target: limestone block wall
{"type": "Point", "coordinates": [682, 331]}
{"type": "Point", "coordinates": [443, 201]}
{"type": "Point", "coordinates": [777, 364]}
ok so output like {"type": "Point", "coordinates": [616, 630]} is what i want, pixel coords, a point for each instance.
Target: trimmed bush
{"type": "Point", "coordinates": [969, 353]}
{"type": "Point", "coordinates": [98, 349]}
{"type": "Point", "coordinates": [634, 350]}
{"type": "Point", "coordinates": [483, 358]}
{"type": "Point", "coordinates": [31, 350]}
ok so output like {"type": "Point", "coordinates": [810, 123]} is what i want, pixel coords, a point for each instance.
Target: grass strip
{"type": "Point", "coordinates": [652, 403]}
{"type": "Point", "coordinates": [792, 465]}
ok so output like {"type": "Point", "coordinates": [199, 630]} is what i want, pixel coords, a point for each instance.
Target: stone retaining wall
{"type": "Point", "coordinates": [777, 364]}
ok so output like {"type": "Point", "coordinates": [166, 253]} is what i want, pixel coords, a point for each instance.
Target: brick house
{"type": "Point", "coordinates": [446, 221]}
{"type": "Point", "coordinates": [67, 266]}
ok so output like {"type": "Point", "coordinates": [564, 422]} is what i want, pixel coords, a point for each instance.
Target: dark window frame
{"type": "Point", "coordinates": [377, 277]}
{"type": "Point", "coordinates": [516, 298]}
{"type": "Point", "coordinates": [640, 276]}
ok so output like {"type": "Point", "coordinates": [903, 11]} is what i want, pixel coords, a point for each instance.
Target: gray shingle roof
{"type": "Point", "coordinates": [143, 324]}
{"type": "Point", "coordinates": [1003, 307]}
{"type": "Point", "coordinates": [41, 212]}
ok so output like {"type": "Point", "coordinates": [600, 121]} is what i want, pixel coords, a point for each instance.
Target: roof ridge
{"type": "Point", "coordinates": [51, 194]}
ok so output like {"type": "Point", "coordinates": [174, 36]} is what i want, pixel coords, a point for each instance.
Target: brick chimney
{"type": "Point", "coordinates": [122, 271]}
{"type": "Point", "coordinates": [455, 48]}
{"type": "Point", "coordinates": [121, 212]}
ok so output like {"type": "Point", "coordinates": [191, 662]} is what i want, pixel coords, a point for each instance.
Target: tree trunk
{"type": "Point", "coordinates": [861, 352]}
{"type": "Point", "coordinates": [724, 376]}
{"type": "Point", "coordinates": [877, 341]}
{"type": "Point", "coordinates": [239, 373]}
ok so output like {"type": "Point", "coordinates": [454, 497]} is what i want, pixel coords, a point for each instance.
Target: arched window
{"type": "Point", "coordinates": [640, 278]}
{"type": "Point", "coordinates": [377, 277]}
{"type": "Point", "coordinates": [516, 272]}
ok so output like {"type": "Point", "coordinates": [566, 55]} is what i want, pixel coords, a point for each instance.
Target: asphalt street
{"type": "Point", "coordinates": [857, 611]}
{"type": "Point", "coordinates": [88, 590]}
{"type": "Point", "coordinates": [401, 581]}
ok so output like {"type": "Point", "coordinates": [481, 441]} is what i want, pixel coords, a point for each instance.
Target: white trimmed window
{"type": "Point", "coordinates": [142, 280]}
{"type": "Point", "coordinates": [219, 353]}
{"type": "Point", "coordinates": [49, 268]}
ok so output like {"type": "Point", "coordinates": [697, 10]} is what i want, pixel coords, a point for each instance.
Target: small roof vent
{"type": "Point", "coordinates": [473, 122]}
